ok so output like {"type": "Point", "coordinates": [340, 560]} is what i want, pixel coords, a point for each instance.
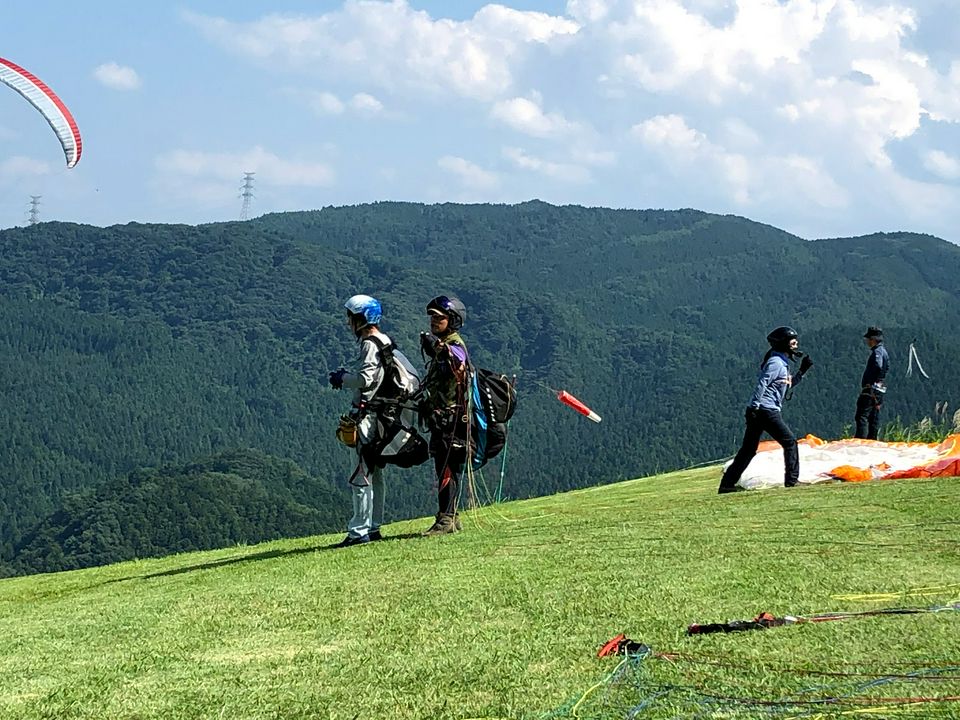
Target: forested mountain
{"type": "Point", "coordinates": [147, 345]}
{"type": "Point", "coordinates": [231, 497]}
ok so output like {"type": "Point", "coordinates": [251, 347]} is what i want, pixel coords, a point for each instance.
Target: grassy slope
{"type": "Point", "coordinates": [502, 621]}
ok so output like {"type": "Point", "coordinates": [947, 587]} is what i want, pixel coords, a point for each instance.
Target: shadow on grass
{"type": "Point", "coordinates": [254, 557]}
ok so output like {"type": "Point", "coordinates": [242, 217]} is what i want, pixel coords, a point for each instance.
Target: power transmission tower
{"type": "Point", "coordinates": [34, 212]}
{"type": "Point", "coordinates": [246, 192]}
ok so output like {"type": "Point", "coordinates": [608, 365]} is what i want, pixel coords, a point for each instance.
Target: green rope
{"type": "Point", "coordinates": [503, 470]}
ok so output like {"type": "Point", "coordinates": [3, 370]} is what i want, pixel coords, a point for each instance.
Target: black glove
{"type": "Point", "coordinates": [805, 364]}
{"type": "Point", "coordinates": [336, 378]}
{"type": "Point", "coordinates": [428, 344]}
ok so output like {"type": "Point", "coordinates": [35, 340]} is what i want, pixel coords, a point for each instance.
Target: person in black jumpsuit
{"type": "Point", "coordinates": [872, 386]}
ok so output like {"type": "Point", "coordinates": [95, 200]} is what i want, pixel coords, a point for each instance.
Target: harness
{"type": "Point", "coordinates": [393, 440]}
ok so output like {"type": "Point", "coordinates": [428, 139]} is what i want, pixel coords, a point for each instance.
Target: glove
{"type": "Point", "coordinates": [336, 378]}
{"type": "Point", "coordinates": [428, 345]}
{"type": "Point", "coordinates": [805, 364]}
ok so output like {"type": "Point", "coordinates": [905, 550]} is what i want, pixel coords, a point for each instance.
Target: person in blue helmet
{"type": "Point", "coordinates": [763, 413]}
{"type": "Point", "coordinates": [445, 407]}
{"type": "Point", "coordinates": [367, 485]}
{"type": "Point", "coordinates": [873, 388]}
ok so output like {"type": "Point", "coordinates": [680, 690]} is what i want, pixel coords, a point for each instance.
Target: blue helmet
{"type": "Point", "coordinates": [366, 307]}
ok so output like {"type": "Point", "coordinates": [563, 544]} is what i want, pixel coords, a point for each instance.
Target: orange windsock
{"type": "Point", "coordinates": [570, 401]}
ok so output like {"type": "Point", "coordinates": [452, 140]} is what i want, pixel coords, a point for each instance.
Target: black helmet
{"type": "Point", "coordinates": [780, 338]}
{"type": "Point", "coordinates": [451, 308]}
{"type": "Point", "coordinates": [874, 333]}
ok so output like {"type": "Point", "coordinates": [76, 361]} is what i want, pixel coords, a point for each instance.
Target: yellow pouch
{"type": "Point", "coordinates": [347, 431]}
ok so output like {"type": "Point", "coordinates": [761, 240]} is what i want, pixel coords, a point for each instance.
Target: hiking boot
{"type": "Point", "coordinates": [436, 523]}
{"type": "Point", "coordinates": [352, 540]}
{"type": "Point", "coordinates": [734, 488]}
{"type": "Point", "coordinates": [445, 525]}
{"type": "Point", "coordinates": [374, 535]}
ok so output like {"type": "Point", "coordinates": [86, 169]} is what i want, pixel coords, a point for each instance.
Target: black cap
{"type": "Point", "coordinates": [874, 333]}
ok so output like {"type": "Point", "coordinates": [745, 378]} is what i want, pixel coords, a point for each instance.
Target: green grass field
{"type": "Point", "coordinates": [505, 619]}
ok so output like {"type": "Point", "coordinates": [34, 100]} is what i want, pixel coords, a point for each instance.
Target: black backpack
{"type": "Point", "coordinates": [494, 400]}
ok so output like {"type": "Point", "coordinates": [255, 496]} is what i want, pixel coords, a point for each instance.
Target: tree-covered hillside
{"type": "Point", "coordinates": [216, 501]}
{"type": "Point", "coordinates": [145, 345]}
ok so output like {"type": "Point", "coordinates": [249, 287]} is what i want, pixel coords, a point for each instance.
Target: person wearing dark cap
{"type": "Point", "coordinates": [872, 386]}
{"type": "Point", "coordinates": [763, 413]}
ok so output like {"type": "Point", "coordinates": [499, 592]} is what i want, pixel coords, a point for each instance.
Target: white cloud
{"type": "Point", "coordinates": [588, 10]}
{"type": "Point", "coordinates": [393, 45]}
{"type": "Point", "coordinates": [496, 20]}
{"type": "Point", "coordinates": [801, 57]}
{"type": "Point", "coordinates": [230, 168]}
{"type": "Point", "coordinates": [807, 178]}
{"type": "Point", "coordinates": [794, 111]}
{"type": "Point", "coordinates": [942, 95]}
{"type": "Point", "coordinates": [366, 104]}
{"type": "Point", "coordinates": [564, 172]}
{"type": "Point", "coordinates": [690, 155]}
{"type": "Point", "coordinates": [875, 24]}
{"type": "Point", "coordinates": [117, 77]}
{"type": "Point", "coordinates": [527, 117]}
{"type": "Point", "coordinates": [469, 174]}
{"type": "Point", "coordinates": [942, 165]}
{"type": "Point", "coordinates": [596, 158]}
{"type": "Point", "coordinates": [665, 44]}
{"type": "Point", "coordinates": [20, 167]}
{"type": "Point", "coordinates": [738, 133]}
{"type": "Point", "coordinates": [774, 106]}
{"type": "Point", "coordinates": [669, 131]}
{"type": "Point", "coordinates": [325, 103]}
{"type": "Point", "coordinates": [687, 152]}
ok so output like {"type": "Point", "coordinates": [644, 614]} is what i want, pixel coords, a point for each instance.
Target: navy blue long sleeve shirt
{"type": "Point", "coordinates": [773, 382]}
{"type": "Point", "coordinates": [877, 365]}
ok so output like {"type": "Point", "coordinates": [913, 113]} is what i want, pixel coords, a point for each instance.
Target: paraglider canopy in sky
{"type": "Point", "coordinates": [48, 104]}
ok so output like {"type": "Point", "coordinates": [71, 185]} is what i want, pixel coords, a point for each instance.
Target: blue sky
{"type": "Point", "coordinates": [822, 117]}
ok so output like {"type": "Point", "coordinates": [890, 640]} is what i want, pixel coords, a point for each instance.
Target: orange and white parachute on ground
{"type": "Point", "coordinates": [854, 461]}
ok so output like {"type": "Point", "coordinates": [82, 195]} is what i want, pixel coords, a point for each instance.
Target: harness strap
{"type": "Point", "coordinates": [359, 471]}
{"type": "Point", "coordinates": [384, 350]}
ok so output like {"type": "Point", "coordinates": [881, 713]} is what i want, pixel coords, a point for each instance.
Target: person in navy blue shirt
{"type": "Point", "coordinates": [872, 386]}
{"type": "Point", "coordinates": [764, 410]}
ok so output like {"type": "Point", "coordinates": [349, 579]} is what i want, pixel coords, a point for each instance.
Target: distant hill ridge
{"type": "Point", "coordinates": [147, 345]}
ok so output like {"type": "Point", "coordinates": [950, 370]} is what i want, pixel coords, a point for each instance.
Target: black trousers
{"type": "Point", "coordinates": [448, 461]}
{"type": "Point", "coordinates": [448, 447]}
{"type": "Point", "coordinates": [764, 420]}
{"type": "Point", "coordinates": [867, 419]}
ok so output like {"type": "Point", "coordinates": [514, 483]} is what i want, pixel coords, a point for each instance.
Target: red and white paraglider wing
{"type": "Point", "coordinates": [50, 106]}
